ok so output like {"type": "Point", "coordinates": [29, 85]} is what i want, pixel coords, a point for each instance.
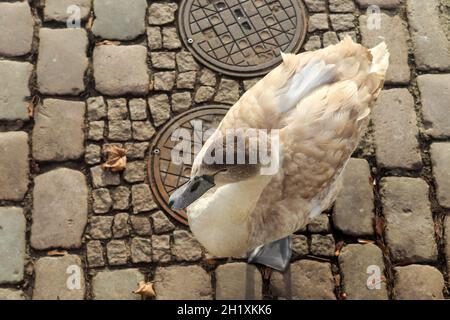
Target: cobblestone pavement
{"type": "Point", "coordinates": [388, 229]}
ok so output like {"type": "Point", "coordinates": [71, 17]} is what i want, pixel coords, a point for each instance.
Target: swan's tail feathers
{"type": "Point", "coordinates": [313, 75]}
{"type": "Point", "coordinates": [378, 69]}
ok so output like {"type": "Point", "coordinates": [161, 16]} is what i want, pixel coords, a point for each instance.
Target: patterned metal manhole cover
{"type": "Point", "coordinates": [242, 38]}
{"type": "Point", "coordinates": [166, 173]}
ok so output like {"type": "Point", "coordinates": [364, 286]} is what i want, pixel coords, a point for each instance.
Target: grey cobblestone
{"type": "Point", "coordinates": [319, 224]}
{"type": "Point", "coordinates": [161, 248]}
{"type": "Point", "coordinates": [159, 108]}
{"type": "Point", "coordinates": [440, 155]}
{"type": "Point", "coordinates": [354, 207]}
{"type": "Point", "coordinates": [16, 23]}
{"type": "Point", "coordinates": [171, 283]}
{"type": "Point", "coordinates": [142, 199]}
{"type": "Point", "coordinates": [141, 250]}
{"type": "Point", "coordinates": [431, 46]}
{"type": "Point", "coordinates": [164, 81]}
{"type": "Point", "coordinates": [409, 222]}
{"type": "Point", "coordinates": [435, 94]}
{"type": "Point", "coordinates": [94, 254]}
{"type": "Point", "coordinates": [118, 252]}
{"type": "Point", "coordinates": [56, 10]}
{"type": "Point", "coordinates": [342, 5]}
{"type": "Point", "coordinates": [316, 5]}
{"type": "Point", "coordinates": [117, 109]}
{"type": "Point", "coordinates": [161, 224]}
{"type": "Point", "coordinates": [154, 38]}
{"type": "Point", "coordinates": [162, 13]}
{"type": "Point", "coordinates": [100, 227]}
{"type": "Point", "coordinates": [395, 130]}
{"type": "Point", "coordinates": [121, 227]}
{"type": "Point", "coordinates": [318, 21]}
{"type": "Point", "coordinates": [103, 178]}
{"type": "Point", "coordinates": [142, 130]}
{"type": "Point", "coordinates": [299, 245]}
{"type": "Point", "coordinates": [355, 261]}
{"type": "Point", "coordinates": [238, 281]}
{"type": "Point", "coordinates": [138, 109]}
{"type": "Point", "coordinates": [310, 280]}
{"type": "Point", "coordinates": [116, 285]}
{"type": "Point", "coordinates": [62, 61]}
{"type": "Point", "coordinates": [135, 172]}
{"type": "Point", "coordinates": [417, 282]}
{"type": "Point", "coordinates": [119, 20]}
{"type": "Point", "coordinates": [186, 80]}
{"type": "Point", "coordinates": [342, 22]}
{"type": "Point", "coordinates": [141, 225]}
{"type": "Point", "coordinates": [63, 191]}
{"type": "Point", "coordinates": [96, 108]}
{"type": "Point", "coordinates": [170, 39]}
{"type": "Point", "coordinates": [228, 91]}
{"type": "Point", "coordinates": [204, 93]}
{"type": "Point", "coordinates": [58, 133]}
{"type": "Point", "coordinates": [387, 4]}
{"type": "Point", "coordinates": [120, 70]}
{"type": "Point", "coordinates": [322, 245]}
{"type": "Point", "coordinates": [14, 167]}
{"type": "Point", "coordinates": [12, 250]}
{"type": "Point", "coordinates": [96, 130]}
{"type": "Point", "coordinates": [121, 198]}
{"type": "Point", "coordinates": [185, 247]}
{"type": "Point", "coordinates": [181, 101]}
{"type": "Point", "coordinates": [51, 281]}
{"type": "Point", "coordinates": [15, 90]}
{"type": "Point", "coordinates": [102, 200]}
{"type": "Point", "coordinates": [11, 294]}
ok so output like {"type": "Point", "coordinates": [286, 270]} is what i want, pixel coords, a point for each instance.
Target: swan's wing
{"type": "Point", "coordinates": [318, 139]}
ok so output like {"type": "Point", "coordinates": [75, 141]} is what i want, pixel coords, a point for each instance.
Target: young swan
{"type": "Point", "coordinates": [319, 102]}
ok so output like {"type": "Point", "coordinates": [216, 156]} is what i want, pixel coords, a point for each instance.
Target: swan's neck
{"type": "Point", "coordinates": [219, 219]}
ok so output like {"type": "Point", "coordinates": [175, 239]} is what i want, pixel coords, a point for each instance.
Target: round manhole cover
{"type": "Point", "coordinates": [170, 161]}
{"type": "Point", "coordinates": [242, 38]}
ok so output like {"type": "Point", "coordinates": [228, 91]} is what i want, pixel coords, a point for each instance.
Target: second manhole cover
{"type": "Point", "coordinates": [167, 170]}
{"type": "Point", "coordinates": [242, 38]}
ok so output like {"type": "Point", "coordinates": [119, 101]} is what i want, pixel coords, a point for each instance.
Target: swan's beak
{"type": "Point", "coordinates": [191, 191]}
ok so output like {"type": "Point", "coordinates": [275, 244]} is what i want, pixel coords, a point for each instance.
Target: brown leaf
{"type": "Point", "coordinates": [337, 280]}
{"type": "Point", "coordinates": [364, 241]}
{"type": "Point", "coordinates": [57, 253]}
{"type": "Point", "coordinates": [31, 105]}
{"type": "Point", "coordinates": [117, 159]}
{"type": "Point", "coordinates": [145, 289]}
{"type": "Point", "coordinates": [339, 246]}
{"type": "Point", "coordinates": [90, 22]}
{"type": "Point", "coordinates": [267, 273]}
{"type": "Point", "coordinates": [107, 43]}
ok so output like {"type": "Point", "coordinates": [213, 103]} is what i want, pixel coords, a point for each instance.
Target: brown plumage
{"type": "Point", "coordinates": [320, 101]}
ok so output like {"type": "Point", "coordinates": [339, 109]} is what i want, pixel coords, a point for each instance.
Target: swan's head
{"type": "Point", "coordinates": [211, 169]}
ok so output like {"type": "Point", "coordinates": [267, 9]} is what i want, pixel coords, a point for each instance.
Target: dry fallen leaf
{"type": "Point", "coordinates": [90, 22]}
{"type": "Point", "coordinates": [31, 105]}
{"type": "Point", "coordinates": [107, 42]}
{"type": "Point", "coordinates": [57, 253]}
{"type": "Point", "coordinates": [145, 289]}
{"type": "Point", "coordinates": [117, 159]}
{"type": "Point", "coordinates": [339, 246]}
{"type": "Point", "coordinates": [364, 241]}
{"type": "Point", "coordinates": [267, 273]}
